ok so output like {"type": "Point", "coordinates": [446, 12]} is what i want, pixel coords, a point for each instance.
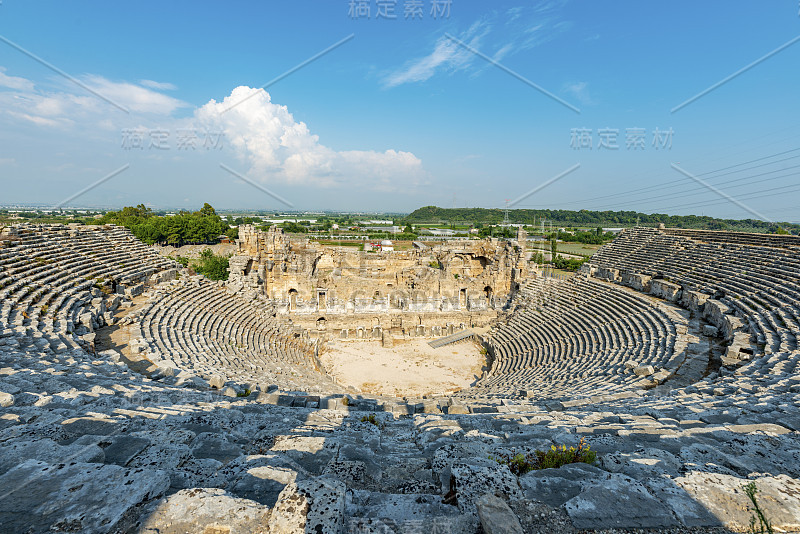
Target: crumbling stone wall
{"type": "Point", "coordinates": [304, 278]}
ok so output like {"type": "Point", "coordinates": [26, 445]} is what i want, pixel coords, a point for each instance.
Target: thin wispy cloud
{"type": "Point", "coordinates": [59, 106]}
{"type": "Point", "coordinates": [158, 86]}
{"type": "Point", "coordinates": [446, 55]}
{"type": "Point", "coordinates": [14, 82]}
{"type": "Point", "coordinates": [579, 91]}
{"type": "Point", "coordinates": [498, 35]}
{"type": "Point", "coordinates": [136, 97]}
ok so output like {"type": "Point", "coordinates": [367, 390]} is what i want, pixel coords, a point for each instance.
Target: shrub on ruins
{"type": "Point", "coordinates": [519, 464]}
{"type": "Point", "coordinates": [183, 260]}
{"type": "Point", "coordinates": [212, 266]}
{"type": "Point", "coordinates": [566, 264]}
{"type": "Point", "coordinates": [370, 419]}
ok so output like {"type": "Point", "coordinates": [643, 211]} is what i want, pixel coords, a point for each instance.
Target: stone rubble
{"type": "Point", "coordinates": [76, 427]}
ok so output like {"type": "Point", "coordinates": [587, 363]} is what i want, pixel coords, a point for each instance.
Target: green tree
{"type": "Point", "coordinates": [212, 266]}
{"type": "Point", "coordinates": [207, 210]}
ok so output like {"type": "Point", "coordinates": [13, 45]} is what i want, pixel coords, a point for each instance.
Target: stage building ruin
{"type": "Point", "coordinates": [350, 293]}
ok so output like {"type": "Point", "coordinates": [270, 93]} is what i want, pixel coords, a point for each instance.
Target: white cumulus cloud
{"type": "Point", "coordinates": [278, 148]}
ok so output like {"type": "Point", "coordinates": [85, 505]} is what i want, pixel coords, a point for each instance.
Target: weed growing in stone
{"type": "Point", "coordinates": [370, 419]}
{"type": "Point", "coordinates": [519, 464]}
{"type": "Point", "coordinates": [759, 524]}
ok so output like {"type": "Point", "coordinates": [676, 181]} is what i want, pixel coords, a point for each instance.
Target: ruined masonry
{"type": "Point", "coordinates": [673, 353]}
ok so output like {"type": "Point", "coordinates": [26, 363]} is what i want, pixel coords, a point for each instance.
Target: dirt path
{"type": "Point", "coordinates": [410, 369]}
{"type": "Point", "coordinates": [117, 337]}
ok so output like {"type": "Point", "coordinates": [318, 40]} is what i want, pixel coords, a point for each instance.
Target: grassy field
{"type": "Point", "coordinates": [578, 249]}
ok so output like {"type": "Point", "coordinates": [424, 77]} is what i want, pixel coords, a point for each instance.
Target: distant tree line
{"type": "Point", "coordinates": [595, 237]}
{"type": "Point", "coordinates": [483, 216]}
{"type": "Point", "coordinates": [203, 226]}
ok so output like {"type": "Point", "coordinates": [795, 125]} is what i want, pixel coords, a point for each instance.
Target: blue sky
{"type": "Point", "coordinates": [401, 115]}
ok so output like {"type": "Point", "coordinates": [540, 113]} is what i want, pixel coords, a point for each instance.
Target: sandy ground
{"type": "Point", "coordinates": [411, 369]}
{"type": "Point", "coordinates": [118, 337]}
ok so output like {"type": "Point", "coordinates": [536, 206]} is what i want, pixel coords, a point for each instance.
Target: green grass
{"type": "Point", "coordinates": [519, 464]}
{"type": "Point", "coordinates": [578, 249]}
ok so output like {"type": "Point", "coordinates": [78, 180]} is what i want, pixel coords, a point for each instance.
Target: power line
{"type": "Point", "coordinates": [689, 192]}
{"type": "Point", "coordinates": [682, 181]}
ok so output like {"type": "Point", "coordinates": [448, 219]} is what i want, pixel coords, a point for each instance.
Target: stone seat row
{"type": "Point", "coordinates": [52, 275]}
{"type": "Point", "coordinates": [579, 330]}
{"type": "Point", "coordinates": [198, 326]}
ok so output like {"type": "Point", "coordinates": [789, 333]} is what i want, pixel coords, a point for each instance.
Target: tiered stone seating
{"type": "Point", "coordinates": [575, 337]}
{"type": "Point", "coordinates": [51, 275]}
{"type": "Point", "coordinates": [755, 276]}
{"type": "Point", "coordinates": [76, 427]}
{"type": "Point", "coordinates": [197, 326]}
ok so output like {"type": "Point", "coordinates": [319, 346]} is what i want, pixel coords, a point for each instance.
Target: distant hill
{"type": "Point", "coordinates": [460, 216]}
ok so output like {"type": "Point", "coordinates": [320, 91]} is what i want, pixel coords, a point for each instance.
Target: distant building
{"type": "Point", "coordinates": [440, 231]}
{"type": "Point", "coordinates": [387, 229]}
